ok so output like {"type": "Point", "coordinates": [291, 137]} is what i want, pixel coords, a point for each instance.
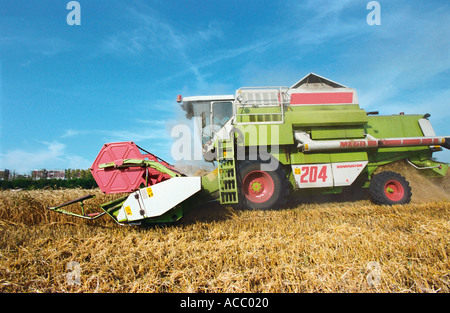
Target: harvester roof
{"type": "Point", "coordinates": [317, 82]}
{"type": "Point", "coordinates": [209, 98]}
{"type": "Point", "coordinates": [314, 89]}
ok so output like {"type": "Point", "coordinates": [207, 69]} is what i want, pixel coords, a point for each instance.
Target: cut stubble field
{"type": "Point", "coordinates": [315, 246]}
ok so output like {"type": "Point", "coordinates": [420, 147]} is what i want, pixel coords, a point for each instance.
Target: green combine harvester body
{"type": "Point", "coordinates": [269, 143]}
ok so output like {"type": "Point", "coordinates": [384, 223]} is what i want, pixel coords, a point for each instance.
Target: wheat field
{"type": "Point", "coordinates": [312, 246]}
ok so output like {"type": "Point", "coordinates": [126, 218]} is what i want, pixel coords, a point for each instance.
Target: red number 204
{"type": "Point", "coordinates": [310, 174]}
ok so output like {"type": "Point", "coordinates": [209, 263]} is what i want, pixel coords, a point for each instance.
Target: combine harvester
{"type": "Point", "coordinates": [269, 143]}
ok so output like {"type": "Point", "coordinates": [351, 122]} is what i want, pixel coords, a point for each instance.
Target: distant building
{"type": "Point", "coordinates": [48, 174]}
{"type": "Point", "coordinates": [4, 175]}
{"type": "Point", "coordinates": [59, 174]}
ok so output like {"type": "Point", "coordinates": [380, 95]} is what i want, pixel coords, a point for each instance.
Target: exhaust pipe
{"type": "Point", "coordinates": [306, 144]}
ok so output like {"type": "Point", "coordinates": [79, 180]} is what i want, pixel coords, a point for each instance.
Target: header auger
{"type": "Point", "coordinates": [269, 143]}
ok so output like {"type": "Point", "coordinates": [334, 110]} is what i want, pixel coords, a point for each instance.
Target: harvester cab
{"type": "Point", "coordinates": [269, 143]}
{"type": "Point", "coordinates": [213, 116]}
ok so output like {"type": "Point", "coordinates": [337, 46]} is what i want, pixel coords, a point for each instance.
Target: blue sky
{"type": "Point", "coordinates": [66, 90]}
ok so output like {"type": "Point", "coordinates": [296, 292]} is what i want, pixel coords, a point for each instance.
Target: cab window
{"type": "Point", "coordinates": [222, 112]}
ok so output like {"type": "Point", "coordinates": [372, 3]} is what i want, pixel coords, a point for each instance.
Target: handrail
{"type": "Point", "coordinates": [283, 99]}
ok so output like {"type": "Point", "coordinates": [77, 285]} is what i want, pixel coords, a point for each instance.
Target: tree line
{"type": "Point", "coordinates": [73, 179]}
{"type": "Point", "coordinates": [24, 183]}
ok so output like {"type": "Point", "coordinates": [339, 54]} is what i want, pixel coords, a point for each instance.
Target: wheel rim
{"type": "Point", "coordinates": [394, 190]}
{"type": "Point", "coordinates": [258, 186]}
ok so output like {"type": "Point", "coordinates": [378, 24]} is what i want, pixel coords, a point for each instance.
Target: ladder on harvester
{"type": "Point", "coordinates": [227, 171]}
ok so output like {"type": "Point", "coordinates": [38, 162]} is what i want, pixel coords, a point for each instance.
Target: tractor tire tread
{"type": "Point", "coordinates": [377, 184]}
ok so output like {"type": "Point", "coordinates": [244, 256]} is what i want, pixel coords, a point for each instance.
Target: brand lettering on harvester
{"type": "Point", "coordinates": [354, 143]}
{"type": "Point", "coordinates": [349, 166]}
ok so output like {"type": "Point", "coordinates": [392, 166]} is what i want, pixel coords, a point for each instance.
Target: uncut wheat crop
{"type": "Point", "coordinates": [315, 245]}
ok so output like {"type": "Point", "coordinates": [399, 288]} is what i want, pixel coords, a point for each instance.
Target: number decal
{"type": "Point", "coordinates": [311, 176]}
{"type": "Point", "coordinates": [327, 174]}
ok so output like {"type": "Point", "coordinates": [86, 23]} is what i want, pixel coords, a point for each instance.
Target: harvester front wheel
{"type": "Point", "coordinates": [261, 189]}
{"type": "Point", "coordinates": [389, 188]}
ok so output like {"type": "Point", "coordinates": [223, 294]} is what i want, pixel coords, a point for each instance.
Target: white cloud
{"type": "Point", "coordinates": [152, 36]}
{"type": "Point", "coordinates": [148, 129]}
{"type": "Point", "coordinates": [125, 135]}
{"type": "Point", "coordinates": [36, 44]}
{"type": "Point", "coordinates": [73, 133]}
{"type": "Point", "coordinates": [52, 155]}
{"type": "Point", "coordinates": [149, 33]}
{"type": "Point", "coordinates": [152, 122]}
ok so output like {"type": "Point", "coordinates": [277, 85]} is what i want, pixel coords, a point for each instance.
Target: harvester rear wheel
{"type": "Point", "coordinates": [259, 189]}
{"type": "Point", "coordinates": [389, 188]}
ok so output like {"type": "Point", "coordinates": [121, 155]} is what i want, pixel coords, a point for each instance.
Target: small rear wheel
{"type": "Point", "coordinates": [389, 188]}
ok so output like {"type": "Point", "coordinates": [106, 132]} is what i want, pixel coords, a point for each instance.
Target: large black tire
{"type": "Point", "coordinates": [260, 189]}
{"type": "Point", "coordinates": [389, 188]}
